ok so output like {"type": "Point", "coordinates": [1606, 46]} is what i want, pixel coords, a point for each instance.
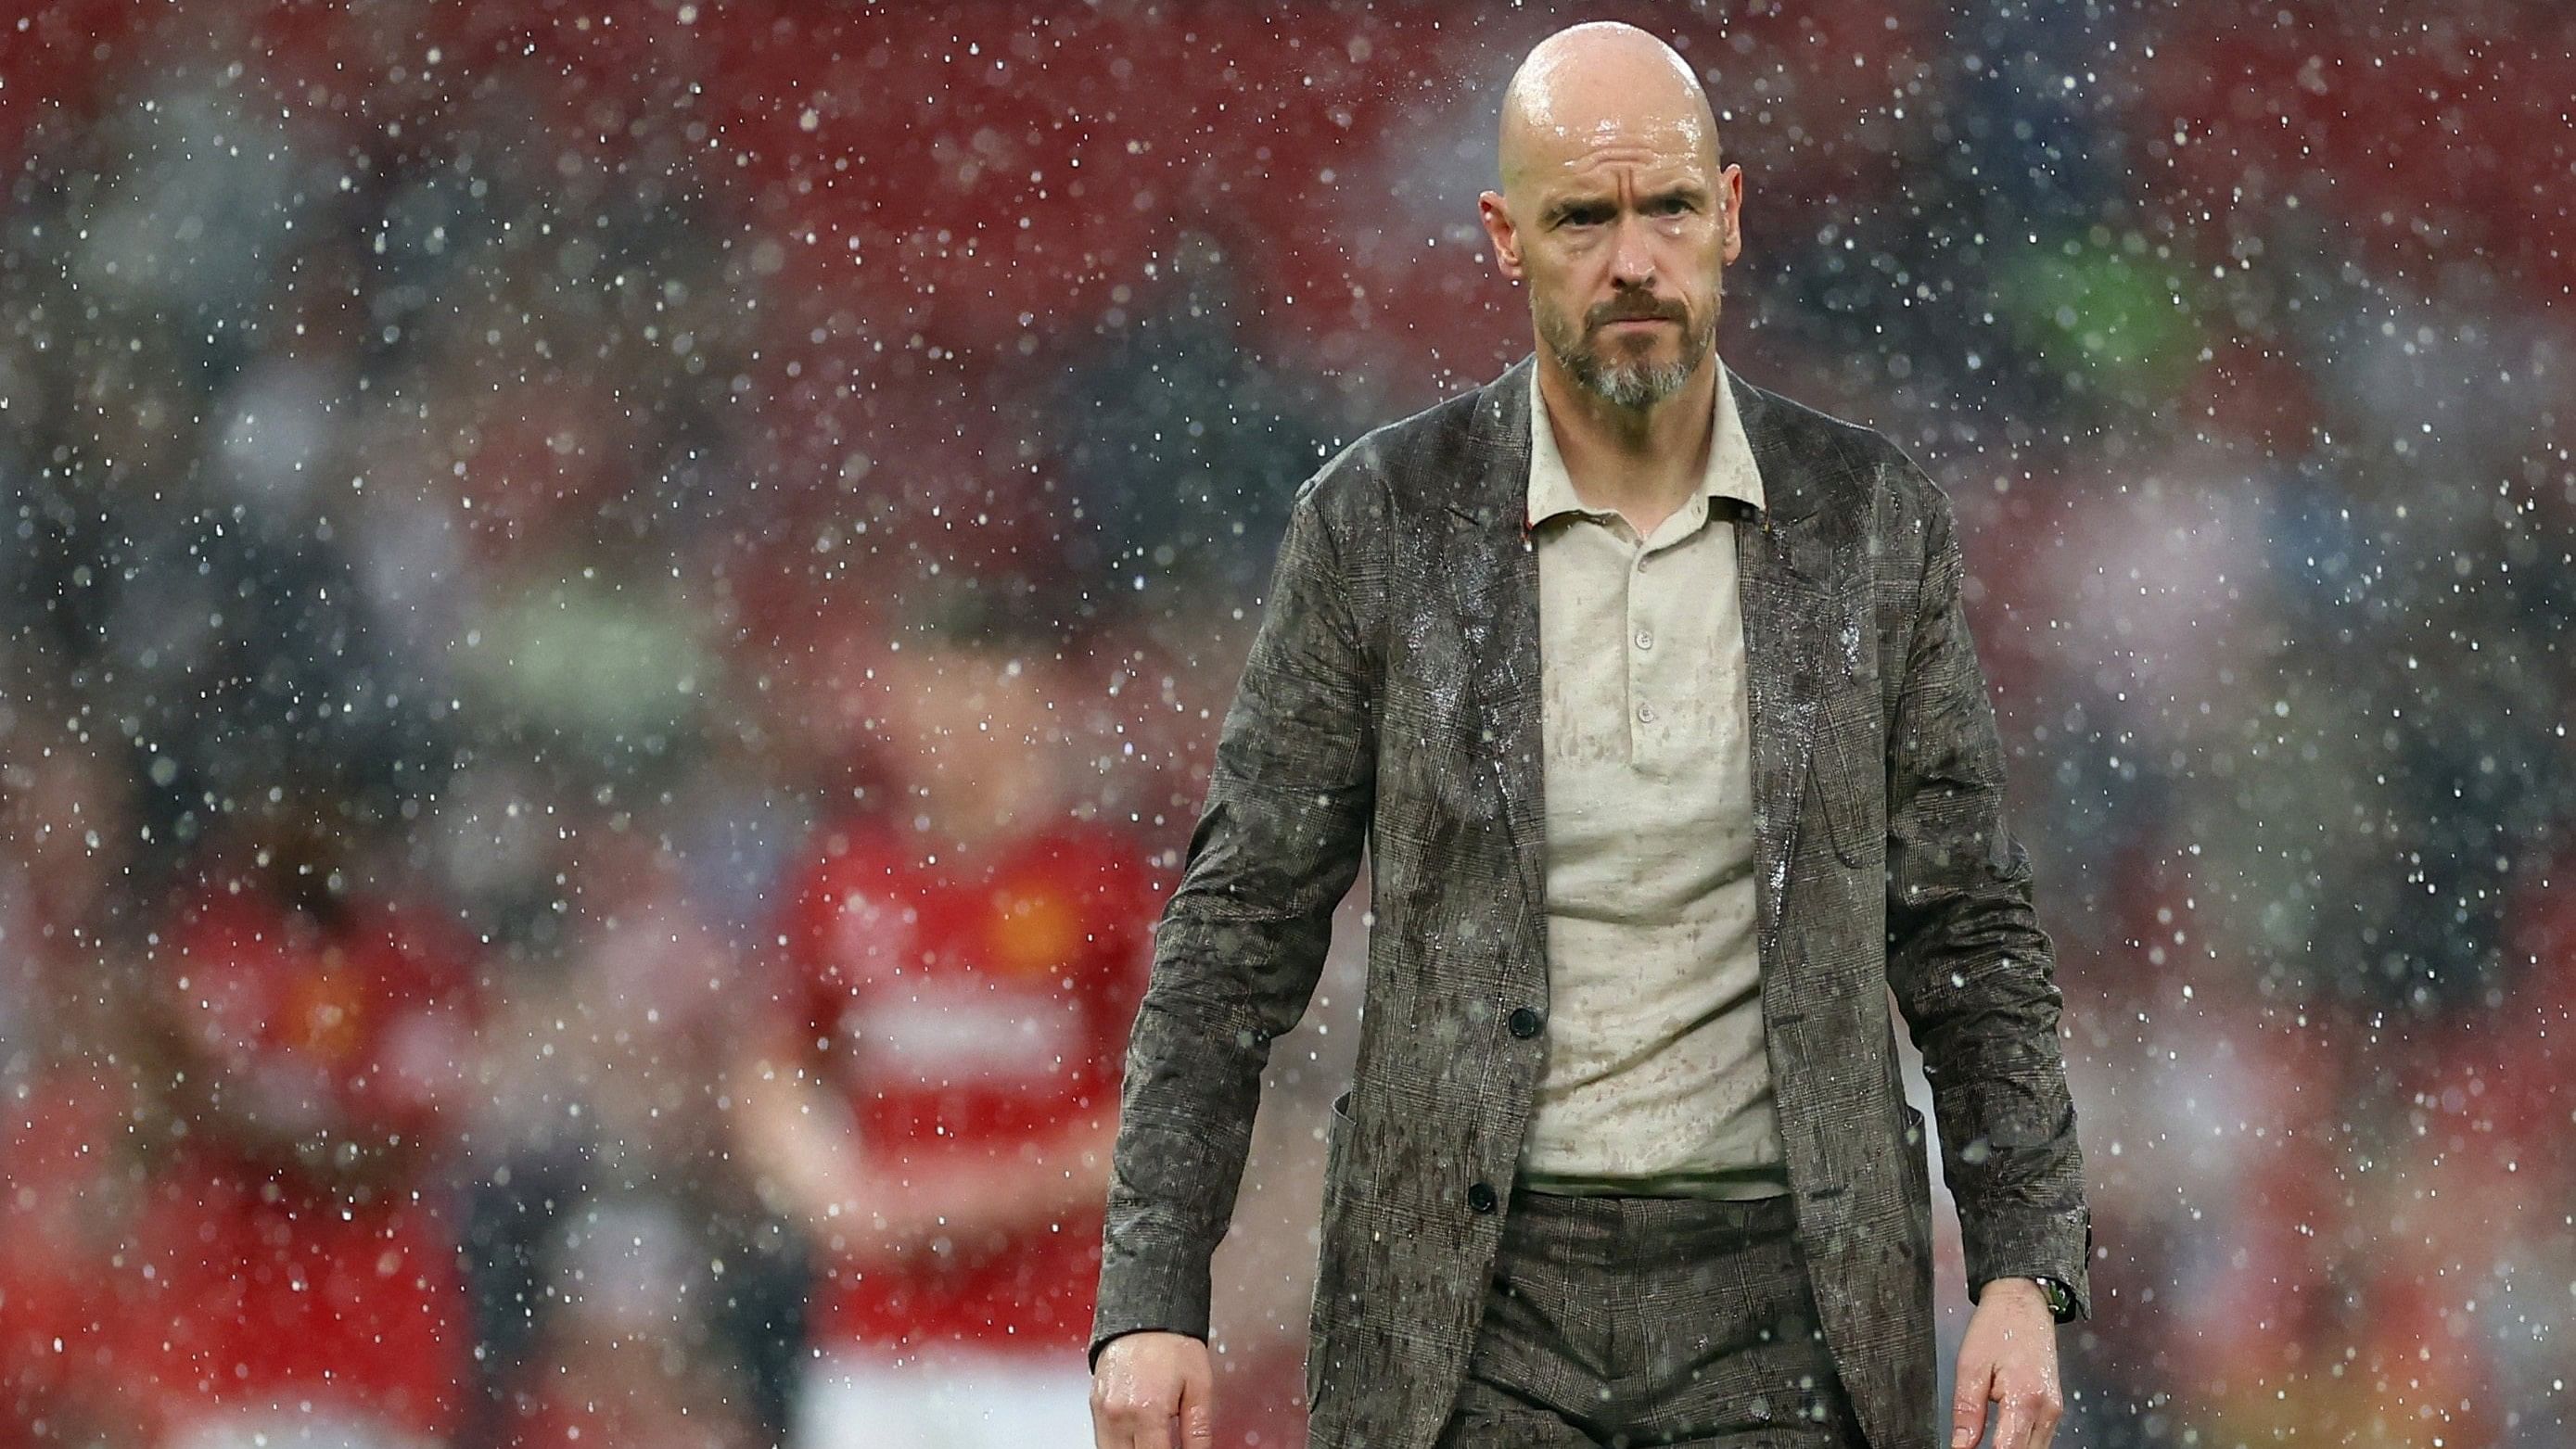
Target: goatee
{"type": "Point", "coordinates": [1631, 385]}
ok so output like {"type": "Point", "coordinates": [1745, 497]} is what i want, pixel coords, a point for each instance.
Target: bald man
{"type": "Point", "coordinates": [1651, 693]}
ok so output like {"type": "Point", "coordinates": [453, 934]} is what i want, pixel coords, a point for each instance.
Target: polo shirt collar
{"type": "Point", "coordinates": [1730, 472]}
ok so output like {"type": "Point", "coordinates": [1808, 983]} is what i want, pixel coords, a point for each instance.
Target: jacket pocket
{"type": "Point", "coordinates": [1336, 1132]}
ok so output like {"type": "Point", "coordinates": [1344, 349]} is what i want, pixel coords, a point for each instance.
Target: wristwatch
{"type": "Point", "coordinates": [2061, 1299]}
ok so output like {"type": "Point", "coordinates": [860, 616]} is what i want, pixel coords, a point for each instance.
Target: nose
{"type": "Point", "coordinates": [1632, 257]}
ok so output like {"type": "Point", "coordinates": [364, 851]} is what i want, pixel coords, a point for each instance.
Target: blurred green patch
{"type": "Point", "coordinates": [607, 666]}
{"type": "Point", "coordinates": [2105, 312]}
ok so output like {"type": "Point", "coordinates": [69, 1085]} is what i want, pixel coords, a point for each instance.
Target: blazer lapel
{"type": "Point", "coordinates": [1783, 569]}
{"type": "Point", "coordinates": [1494, 585]}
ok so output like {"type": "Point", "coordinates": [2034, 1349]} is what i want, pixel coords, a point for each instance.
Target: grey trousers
{"type": "Point", "coordinates": [1621, 1321]}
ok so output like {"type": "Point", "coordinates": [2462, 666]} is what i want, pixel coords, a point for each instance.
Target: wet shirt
{"type": "Point", "coordinates": [1657, 1080]}
{"type": "Point", "coordinates": [967, 1009]}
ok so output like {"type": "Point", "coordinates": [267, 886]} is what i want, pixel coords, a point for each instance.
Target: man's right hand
{"type": "Point", "coordinates": [1143, 1382]}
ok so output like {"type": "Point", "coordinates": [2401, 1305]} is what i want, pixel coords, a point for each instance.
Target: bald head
{"type": "Point", "coordinates": [1598, 84]}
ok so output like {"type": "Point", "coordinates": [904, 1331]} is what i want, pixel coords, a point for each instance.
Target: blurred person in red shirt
{"type": "Point", "coordinates": [293, 1275]}
{"type": "Point", "coordinates": [967, 957]}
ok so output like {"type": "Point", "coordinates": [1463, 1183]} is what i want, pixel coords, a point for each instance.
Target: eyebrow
{"type": "Point", "coordinates": [1690, 191]}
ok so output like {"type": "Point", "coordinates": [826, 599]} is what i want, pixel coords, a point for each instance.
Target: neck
{"type": "Point", "coordinates": [1647, 459]}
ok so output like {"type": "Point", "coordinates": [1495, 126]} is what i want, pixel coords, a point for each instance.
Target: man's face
{"type": "Point", "coordinates": [1622, 233]}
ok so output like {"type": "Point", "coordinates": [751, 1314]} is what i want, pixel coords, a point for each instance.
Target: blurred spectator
{"type": "Point", "coordinates": [631, 1288]}
{"type": "Point", "coordinates": [967, 958]}
{"type": "Point", "coordinates": [293, 1275]}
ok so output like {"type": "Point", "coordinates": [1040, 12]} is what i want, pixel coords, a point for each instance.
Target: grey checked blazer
{"type": "Point", "coordinates": [1391, 698]}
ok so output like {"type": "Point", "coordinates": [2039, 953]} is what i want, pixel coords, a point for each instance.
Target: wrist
{"type": "Point", "coordinates": [2054, 1293]}
{"type": "Point", "coordinates": [2055, 1296]}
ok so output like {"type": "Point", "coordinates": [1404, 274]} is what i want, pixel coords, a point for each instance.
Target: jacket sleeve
{"type": "Point", "coordinates": [1243, 939]}
{"type": "Point", "coordinates": [1972, 972]}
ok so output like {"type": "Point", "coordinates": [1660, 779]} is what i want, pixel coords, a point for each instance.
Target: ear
{"type": "Point", "coordinates": [1731, 188]}
{"type": "Point", "coordinates": [1497, 217]}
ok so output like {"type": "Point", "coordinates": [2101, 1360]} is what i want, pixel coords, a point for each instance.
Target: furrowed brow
{"type": "Point", "coordinates": [1563, 207]}
{"type": "Point", "coordinates": [1557, 211]}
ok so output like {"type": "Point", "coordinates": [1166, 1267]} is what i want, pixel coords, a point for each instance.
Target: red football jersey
{"type": "Point", "coordinates": [968, 1009]}
{"type": "Point", "coordinates": [252, 1283]}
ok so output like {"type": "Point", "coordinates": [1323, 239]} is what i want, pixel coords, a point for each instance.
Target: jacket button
{"type": "Point", "coordinates": [1524, 1023]}
{"type": "Point", "coordinates": [1480, 1196]}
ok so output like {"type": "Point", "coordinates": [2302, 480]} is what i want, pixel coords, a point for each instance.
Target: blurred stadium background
{"type": "Point", "coordinates": [501, 492]}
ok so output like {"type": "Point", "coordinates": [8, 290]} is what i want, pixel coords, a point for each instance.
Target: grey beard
{"type": "Point", "coordinates": [1626, 385]}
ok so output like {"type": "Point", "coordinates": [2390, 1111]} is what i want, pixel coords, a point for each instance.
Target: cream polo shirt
{"type": "Point", "coordinates": [1656, 1079]}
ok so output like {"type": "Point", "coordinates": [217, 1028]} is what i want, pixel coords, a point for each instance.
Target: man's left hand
{"type": "Point", "coordinates": [2009, 1357]}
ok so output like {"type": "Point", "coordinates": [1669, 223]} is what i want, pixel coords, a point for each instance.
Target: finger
{"type": "Point", "coordinates": [2044, 1432]}
{"type": "Point", "coordinates": [1968, 1403]}
{"type": "Point", "coordinates": [2012, 1422]}
{"type": "Point", "coordinates": [1120, 1422]}
{"type": "Point", "coordinates": [1108, 1416]}
{"type": "Point", "coordinates": [1198, 1409]}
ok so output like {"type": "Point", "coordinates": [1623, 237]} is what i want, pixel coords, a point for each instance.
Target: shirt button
{"type": "Point", "coordinates": [1645, 638]}
{"type": "Point", "coordinates": [1524, 1022]}
{"type": "Point", "coordinates": [1645, 714]}
{"type": "Point", "coordinates": [1480, 1196]}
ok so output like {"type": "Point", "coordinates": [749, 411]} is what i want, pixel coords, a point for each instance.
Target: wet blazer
{"type": "Point", "coordinates": [1391, 700]}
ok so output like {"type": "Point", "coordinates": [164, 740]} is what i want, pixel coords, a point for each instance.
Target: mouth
{"type": "Point", "coordinates": [1628, 322]}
